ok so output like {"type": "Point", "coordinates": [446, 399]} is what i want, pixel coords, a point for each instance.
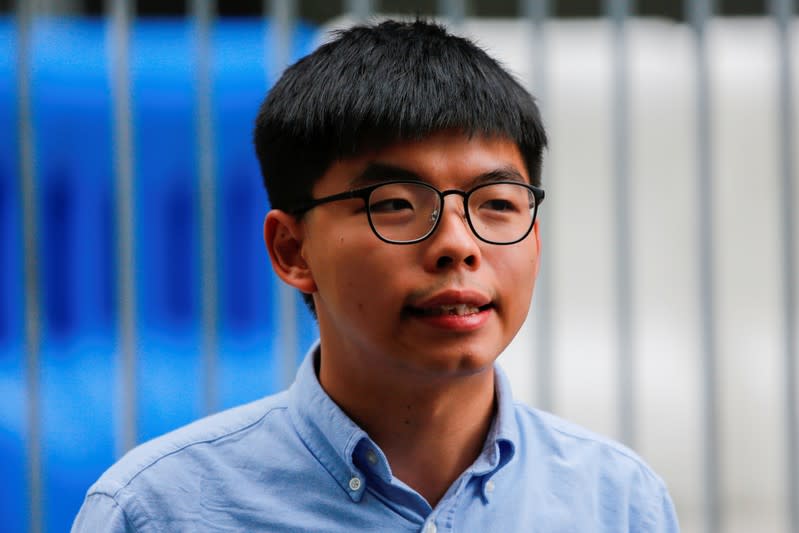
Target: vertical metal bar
{"type": "Point", "coordinates": [617, 12]}
{"type": "Point", "coordinates": [27, 176]}
{"type": "Point", "coordinates": [283, 19]}
{"type": "Point", "coordinates": [536, 12]}
{"type": "Point", "coordinates": [202, 12]}
{"type": "Point", "coordinates": [45, 7]}
{"type": "Point", "coordinates": [699, 12]}
{"type": "Point", "coordinates": [64, 7]}
{"type": "Point", "coordinates": [360, 9]}
{"type": "Point", "coordinates": [119, 59]}
{"type": "Point", "coordinates": [453, 10]}
{"type": "Point", "coordinates": [72, 7]}
{"type": "Point", "coordinates": [283, 14]}
{"type": "Point", "coordinates": [782, 11]}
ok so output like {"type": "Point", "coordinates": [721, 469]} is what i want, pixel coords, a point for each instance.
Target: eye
{"type": "Point", "coordinates": [501, 199]}
{"type": "Point", "coordinates": [499, 204]}
{"type": "Point", "coordinates": [390, 205]}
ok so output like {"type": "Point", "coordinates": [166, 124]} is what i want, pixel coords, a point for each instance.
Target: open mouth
{"type": "Point", "coordinates": [449, 310]}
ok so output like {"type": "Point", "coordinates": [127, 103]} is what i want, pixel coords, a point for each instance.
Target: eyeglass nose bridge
{"type": "Point", "coordinates": [435, 215]}
{"type": "Point", "coordinates": [444, 194]}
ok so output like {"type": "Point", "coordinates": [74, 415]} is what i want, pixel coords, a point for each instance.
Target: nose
{"type": "Point", "coordinates": [453, 244]}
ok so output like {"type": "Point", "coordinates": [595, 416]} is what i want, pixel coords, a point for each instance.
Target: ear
{"type": "Point", "coordinates": [283, 235]}
{"type": "Point", "coordinates": [537, 236]}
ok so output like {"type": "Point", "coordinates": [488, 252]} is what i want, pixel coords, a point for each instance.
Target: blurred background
{"type": "Point", "coordinates": [136, 296]}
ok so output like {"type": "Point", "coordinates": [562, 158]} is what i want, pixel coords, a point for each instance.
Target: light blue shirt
{"type": "Point", "coordinates": [295, 462]}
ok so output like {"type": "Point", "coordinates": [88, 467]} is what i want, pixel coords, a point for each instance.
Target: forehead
{"type": "Point", "coordinates": [447, 159]}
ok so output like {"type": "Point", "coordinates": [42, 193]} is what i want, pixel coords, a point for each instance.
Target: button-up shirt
{"type": "Point", "coordinates": [296, 462]}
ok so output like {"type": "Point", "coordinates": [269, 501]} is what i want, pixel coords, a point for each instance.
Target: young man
{"type": "Point", "coordinates": [403, 165]}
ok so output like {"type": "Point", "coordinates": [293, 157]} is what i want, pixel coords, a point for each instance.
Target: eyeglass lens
{"type": "Point", "coordinates": [499, 212]}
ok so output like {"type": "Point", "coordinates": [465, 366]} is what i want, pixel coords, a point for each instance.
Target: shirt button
{"type": "Point", "coordinates": [430, 527]}
{"type": "Point", "coordinates": [355, 484]}
{"type": "Point", "coordinates": [490, 486]}
{"type": "Point", "coordinates": [371, 457]}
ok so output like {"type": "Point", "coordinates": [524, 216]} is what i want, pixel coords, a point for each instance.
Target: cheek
{"type": "Point", "coordinates": [518, 270]}
{"type": "Point", "coordinates": [521, 264]}
{"type": "Point", "coordinates": [363, 274]}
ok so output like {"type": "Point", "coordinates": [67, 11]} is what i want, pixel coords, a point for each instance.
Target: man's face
{"type": "Point", "coordinates": [380, 305]}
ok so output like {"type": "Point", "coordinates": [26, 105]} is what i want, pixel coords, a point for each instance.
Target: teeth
{"type": "Point", "coordinates": [456, 310]}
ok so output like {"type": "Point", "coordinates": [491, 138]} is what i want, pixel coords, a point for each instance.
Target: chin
{"type": "Point", "coordinates": [456, 361]}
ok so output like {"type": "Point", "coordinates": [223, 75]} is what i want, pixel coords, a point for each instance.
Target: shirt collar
{"type": "Point", "coordinates": [338, 443]}
{"type": "Point", "coordinates": [503, 435]}
{"type": "Point", "coordinates": [326, 430]}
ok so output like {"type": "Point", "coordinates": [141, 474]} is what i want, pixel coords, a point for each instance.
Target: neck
{"type": "Point", "coordinates": [430, 428]}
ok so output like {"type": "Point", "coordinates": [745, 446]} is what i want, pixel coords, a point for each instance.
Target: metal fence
{"type": "Point", "coordinates": [278, 43]}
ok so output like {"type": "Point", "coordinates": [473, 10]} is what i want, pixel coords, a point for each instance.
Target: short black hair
{"type": "Point", "coordinates": [373, 85]}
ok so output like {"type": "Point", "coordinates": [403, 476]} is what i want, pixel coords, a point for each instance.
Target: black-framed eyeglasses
{"type": "Point", "coordinates": [408, 211]}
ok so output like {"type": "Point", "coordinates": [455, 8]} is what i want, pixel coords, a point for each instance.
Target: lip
{"type": "Point", "coordinates": [454, 323]}
{"type": "Point", "coordinates": [454, 297]}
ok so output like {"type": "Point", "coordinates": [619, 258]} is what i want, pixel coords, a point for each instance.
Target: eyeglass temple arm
{"type": "Point", "coordinates": [307, 206]}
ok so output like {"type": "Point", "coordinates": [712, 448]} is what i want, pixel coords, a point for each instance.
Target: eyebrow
{"type": "Point", "coordinates": [381, 172]}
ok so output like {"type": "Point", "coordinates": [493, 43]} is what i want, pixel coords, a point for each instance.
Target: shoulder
{"type": "Point", "coordinates": [596, 475]}
{"type": "Point", "coordinates": [222, 435]}
{"type": "Point", "coordinates": [553, 435]}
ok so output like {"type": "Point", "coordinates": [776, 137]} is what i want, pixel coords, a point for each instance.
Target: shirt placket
{"type": "Point", "coordinates": [442, 519]}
